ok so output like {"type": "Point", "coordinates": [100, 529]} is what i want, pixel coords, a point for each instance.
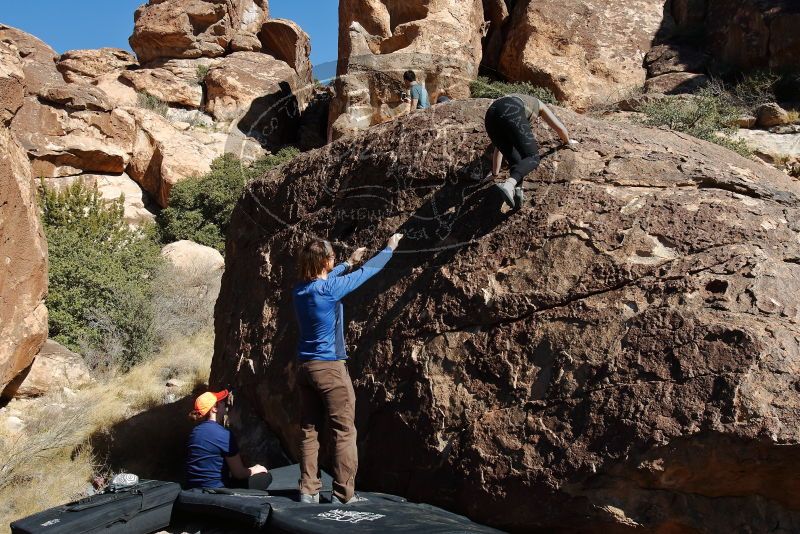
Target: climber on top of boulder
{"type": "Point", "coordinates": [508, 123]}
{"type": "Point", "coordinates": [323, 381]}
{"type": "Point", "coordinates": [418, 98]}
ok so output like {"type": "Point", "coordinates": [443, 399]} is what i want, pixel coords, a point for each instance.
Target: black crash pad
{"type": "Point", "coordinates": [140, 509]}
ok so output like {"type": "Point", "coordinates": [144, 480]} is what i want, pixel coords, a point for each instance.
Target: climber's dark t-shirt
{"type": "Point", "coordinates": [209, 444]}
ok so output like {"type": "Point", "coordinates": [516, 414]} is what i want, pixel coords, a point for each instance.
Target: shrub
{"type": "Point", "coordinates": [200, 208]}
{"type": "Point", "coordinates": [754, 90]}
{"type": "Point", "coordinates": [100, 276]}
{"type": "Point", "coordinates": [706, 115]}
{"type": "Point", "coordinates": [153, 103]}
{"type": "Point", "coordinates": [201, 72]}
{"type": "Point", "coordinates": [484, 87]}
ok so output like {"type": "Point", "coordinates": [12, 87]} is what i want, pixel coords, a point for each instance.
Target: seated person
{"type": "Point", "coordinates": [418, 98]}
{"type": "Point", "coordinates": [210, 443]}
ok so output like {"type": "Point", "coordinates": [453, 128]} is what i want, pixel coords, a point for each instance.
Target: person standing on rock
{"type": "Point", "coordinates": [418, 98]}
{"type": "Point", "coordinates": [508, 123]}
{"type": "Point", "coordinates": [326, 391]}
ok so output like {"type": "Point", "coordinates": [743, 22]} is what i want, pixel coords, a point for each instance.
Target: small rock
{"type": "Point", "coordinates": [175, 383]}
{"type": "Point", "coordinates": [745, 121]}
{"type": "Point", "coordinates": [785, 129]}
{"type": "Point", "coordinates": [169, 398]}
{"type": "Point", "coordinates": [675, 83]}
{"type": "Point", "coordinates": [14, 424]}
{"type": "Point", "coordinates": [68, 393]}
{"type": "Point", "coordinates": [772, 115]}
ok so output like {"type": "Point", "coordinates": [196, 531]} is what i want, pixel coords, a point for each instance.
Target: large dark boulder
{"type": "Point", "coordinates": [621, 354]}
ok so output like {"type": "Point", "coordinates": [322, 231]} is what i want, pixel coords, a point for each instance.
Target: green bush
{"type": "Point", "coordinates": [200, 208]}
{"type": "Point", "coordinates": [484, 87]}
{"type": "Point", "coordinates": [100, 276]}
{"type": "Point", "coordinates": [704, 115]}
{"type": "Point", "coordinates": [201, 72]}
{"type": "Point", "coordinates": [153, 103]}
{"type": "Point", "coordinates": [753, 90]}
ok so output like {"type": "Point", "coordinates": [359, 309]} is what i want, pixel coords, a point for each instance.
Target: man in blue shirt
{"type": "Point", "coordinates": [419, 95]}
{"type": "Point", "coordinates": [326, 391]}
{"type": "Point", "coordinates": [212, 453]}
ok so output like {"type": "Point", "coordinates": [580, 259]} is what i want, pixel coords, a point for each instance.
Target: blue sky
{"type": "Point", "coordinates": [70, 24]}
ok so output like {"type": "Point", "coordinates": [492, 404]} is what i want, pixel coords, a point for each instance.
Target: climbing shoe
{"type": "Point", "coordinates": [309, 499]}
{"type": "Point", "coordinates": [507, 190]}
{"type": "Point", "coordinates": [354, 499]}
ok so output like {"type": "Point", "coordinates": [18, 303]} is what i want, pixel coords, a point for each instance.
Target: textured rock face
{"type": "Point", "coordinates": [286, 41]}
{"type": "Point", "coordinates": [379, 40]}
{"type": "Point", "coordinates": [166, 86]}
{"type": "Point", "coordinates": [622, 351]}
{"type": "Point", "coordinates": [259, 92]}
{"type": "Point", "coordinates": [744, 34]}
{"type": "Point", "coordinates": [12, 82]}
{"type": "Point", "coordinates": [585, 51]}
{"type": "Point", "coordinates": [61, 142]}
{"type": "Point", "coordinates": [88, 65]}
{"type": "Point", "coordinates": [23, 267]}
{"type": "Point", "coordinates": [55, 368]}
{"type": "Point", "coordinates": [37, 60]}
{"type": "Point", "coordinates": [194, 28]}
{"type": "Point", "coordinates": [163, 156]}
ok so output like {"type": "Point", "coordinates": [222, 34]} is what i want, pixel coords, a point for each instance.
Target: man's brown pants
{"type": "Point", "coordinates": [327, 398]}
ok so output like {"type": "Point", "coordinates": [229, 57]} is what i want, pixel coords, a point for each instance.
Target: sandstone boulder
{"type": "Point", "coordinates": [676, 83]}
{"type": "Point", "coordinates": [769, 115]}
{"type": "Point", "coordinates": [193, 28]}
{"type": "Point", "coordinates": [162, 155]}
{"type": "Point", "coordinates": [88, 65]}
{"type": "Point", "coordinates": [664, 59]}
{"type": "Point", "coordinates": [166, 86]}
{"type": "Point", "coordinates": [777, 149]}
{"type": "Point", "coordinates": [23, 267]}
{"type": "Point", "coordinates": [186, 256]}
{"type": "Point", "coordinates": [55, 368]}
{"type": "Point", "coordinates": [12, 83]}
{"type": "Point", "coordinates": [285, 40]}
{"type": "Point", "coordinates": [585, 51]}
{"type": "Point", "coordinates": [189, 287]}
{"type": "Point", "coordinates": [37, 59]}
{"type": "Point", "coordinates": [260, 93]}
{"type": "Point", "coordinates": [139, 208]}
{"type": "Point", "coordinates": [621, 352]}
{"type": "Point", "coordinates": [64, 143]}
{"type": "Point", "coordinates": [379, 40]}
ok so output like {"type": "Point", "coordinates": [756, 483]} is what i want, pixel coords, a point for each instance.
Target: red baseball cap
{"type": "Point", "coordinates": [208, 400]}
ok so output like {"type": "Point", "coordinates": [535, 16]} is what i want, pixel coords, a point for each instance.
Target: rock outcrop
{"type": "Point", "coordinates": [23, 267]}
{"type": "Point", "coordinates": [285, 40]}
{"type": "Point", "coordinates": [743, 34]}
{"type": "Point", "coordinates": [88, 65]}
{"type": "Point", "coordinates": [619, 355]}
{"type": "Point", "coordinates": [194, 28]}
{"type": "Point", "coordinates": [585, 51]}
{"type": "Point", "coordinates": [55, 368]}
{"type": "Point", "coordinates": [380, 39]}
{"type": "Point", "coordinates": [162, 156]}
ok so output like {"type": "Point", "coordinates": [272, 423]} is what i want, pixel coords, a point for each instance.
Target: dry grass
{"type": "Point", "coordinates": [52, 462]}
{"type": "Point", "coordinates": [794, 116]}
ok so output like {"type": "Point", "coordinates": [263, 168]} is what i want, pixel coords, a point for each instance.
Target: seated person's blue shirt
{"type": "Point", "coordinates": [319, 312]}
{"type": "Point", "coordinates": [419, 93]}
{"type": "Point", "coordinates": [209, 444]}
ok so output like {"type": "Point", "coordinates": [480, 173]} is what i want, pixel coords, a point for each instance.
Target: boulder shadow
{"type": "Point", "coordinates": [151, 444]}
{"type": "Point", "coordinates": [273, 119]}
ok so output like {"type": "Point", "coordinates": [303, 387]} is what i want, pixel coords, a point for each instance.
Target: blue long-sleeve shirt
{"type": "Point", "coordinates": [319, 308]}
